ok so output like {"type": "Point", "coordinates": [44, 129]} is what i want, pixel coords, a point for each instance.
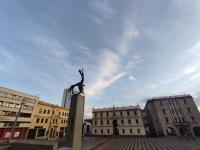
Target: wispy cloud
{"type": "Point", "coordinates": [83, 49]}
{"type": "Point", "coordinates": [131, 78]}
{"type": "Point", "coordinates": [108, 72]}
{"type": "Point", "coordinates": [102, 8]}
{"type": "Point", "coordinates": [129, 33]}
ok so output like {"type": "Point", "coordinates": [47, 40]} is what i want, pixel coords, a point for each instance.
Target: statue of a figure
{"type": "Point", "coordinates": [79, 84]}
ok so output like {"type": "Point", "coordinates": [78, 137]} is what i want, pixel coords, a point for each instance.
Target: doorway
{"type": "Point", "coordinates": [115, 127]}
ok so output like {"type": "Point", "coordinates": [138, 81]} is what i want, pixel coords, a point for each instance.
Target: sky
{"type": "Point", "coordinates": [130, 50]}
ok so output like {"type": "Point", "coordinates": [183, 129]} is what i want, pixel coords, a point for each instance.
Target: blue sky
{"type": "Point", "coordinates": [130, 50]}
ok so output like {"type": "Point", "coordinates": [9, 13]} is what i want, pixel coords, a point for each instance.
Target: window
{"type": "Point", "coordinates": [131, 131]}
{"type": "Point", "coordinates": [101, 115]}
{"type": "Point", "coordinates": [95, 114]}
{"type": "Point", "coordinates": [176, 119]}
{"type": "Point", "coordinates": [95, 130]}
{"type": "Point", "coordinates": [121, 113]}
{"type": "Point", "coordinates": [185, 101]}
{"type": "Point", "coordinates": [48, 111]}
{"type": "Point", "coordinates": [189, 110]}
{"type": "Point", "coordinates": [108, 131]}
{"type": "Point", "coordinates": [135, 112]}
{"type": "Point", "coordinates": [137, 121]}
{"type": "Point", "coordinates": [101, 130]}
{"type": "Point", "coordinates": [123, 131]}
{"type": "Point", "coordinates": [41, 132]}
{"type": "Point", "coordinates": [164, 111]}
{"type": "Point", "coordinates": [122, 121]}
{"type": "Point", "coordinates": [101, 122]}
{"type": "Point", "coordinates": [166, 120]}
{"type": "Point", "coordinates": [38, 120]}
{"type": "Point", "coordinates": [42, 120]}
{"type": "Point", "coordinates": [138, 130]}
{"type": "Point", "coordinates": [113, 113]}
{"type": "Point", "coordinates": [40, 111]}
{"type": "Point", "coordinates": [46, 120]}
{"type": "Point", "coordinates": [107, 114]}
{"type": "Point", "coordinates": [193, 119]}
{"type": "Point", "coordinates": [128, 113]}
{"type": "Point", "coordinates": [5, 104]}
{"type": "Point", "coordinates": [107, 122]}
{"type": "Point", "coordinates": [95, 122]}
{"type": "Point", "coordinates": [44, 111]}
{"type": "Point", "coordinates": [129, 121]}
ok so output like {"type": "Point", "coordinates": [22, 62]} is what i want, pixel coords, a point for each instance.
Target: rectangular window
{"type": "Point", "coordinates": [95, 130]}
{"type": "Point", "coordinates": [122, 121]}
{"type": "Point", "coordinates": [46, 120]}
{"type": "Point", "coordinates": [38, 120]}
{"type": "Point", "coordinates": [101, 115]}
{"type": "Point", "coordinates": [108, 131]}
{"type": "Point", "coordinates": [121, 113]}
{"type": "Point", "coordinates": [166, 120]}
{"type": "Point", "coordinates": [128, 113]}
{"type": "Point", "coordinates": [107, 114]}
{"type": "Point", "coordinates": [107, 122]}
{"type": "Point", "coordinates": [193, 119]}
{"type": "Point", "coordinates": [101, 122]}
{"type": "Point", "coordinates": [135, 112]}
{"type": "Point", "coordinates": [164, 111]}
{"type": "Point", "coordinates": [123, 131]}
{"type": "Point", "coordinates": [137, 121]}
{"type": "Point", "coordinates": [129, 121]}
{"type": "Point", "coordinates": [101, 130]}
{"type": "Point", "coordinates": [138, 130]}
{"type": "Point", "coordinates": [189, 110]}
{"type": "Point", "coordinates": [131, 131]}
{"type": "Point", "coordinates": [95, 122]}
{"type": "Point", "coordinates": [185, 101]}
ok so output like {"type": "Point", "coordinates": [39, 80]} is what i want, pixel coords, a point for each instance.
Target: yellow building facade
{"type": "Point", "coordinates": [49, 121]}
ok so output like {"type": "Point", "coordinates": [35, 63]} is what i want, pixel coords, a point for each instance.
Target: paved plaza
{"type": "Point", "coordinates": [165, 143]}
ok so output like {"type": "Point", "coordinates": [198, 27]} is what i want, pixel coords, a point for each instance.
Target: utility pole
{"type": "Point", "coordinates": [16, 118]}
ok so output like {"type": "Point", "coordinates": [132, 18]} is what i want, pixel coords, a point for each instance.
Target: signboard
{"type": "Point", "coordinates": [16, 134]}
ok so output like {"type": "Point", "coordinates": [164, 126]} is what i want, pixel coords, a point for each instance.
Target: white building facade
{"type": "Point", "coordinates": [126, 121]}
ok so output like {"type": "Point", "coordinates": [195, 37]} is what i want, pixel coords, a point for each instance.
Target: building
{"type": "Point", "coordinates": [172, 115]}
{"type": "Point", "coordinates": [66, 99]}
{"type": "Point", "coordinates": [49, 121]}
{"type": "Point", "coordinates": [118, 121]}
{"type": "Point", "coordinates": [10, 103]}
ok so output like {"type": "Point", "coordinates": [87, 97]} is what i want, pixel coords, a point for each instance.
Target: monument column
{"type": "Point", "coordinates": [75, 122]}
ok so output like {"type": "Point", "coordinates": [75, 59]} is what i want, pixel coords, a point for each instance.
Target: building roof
{"type": "Point", "coordinates": [115, 108]}
{"type": "Point", "coordinates": [167, 97]}
{"type": "Point", "coordinates": [53, 105]}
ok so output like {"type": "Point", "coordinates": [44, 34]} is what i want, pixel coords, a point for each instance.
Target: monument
{"type": "Point", "coordinates": [76, 112]}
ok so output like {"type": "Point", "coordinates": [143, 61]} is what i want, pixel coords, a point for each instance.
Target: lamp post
{"type": "Point", "coordinates": [16, 118]}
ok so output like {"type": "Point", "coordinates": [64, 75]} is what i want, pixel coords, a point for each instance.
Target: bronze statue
{"type": "Point", "coordinates": [79, 84]}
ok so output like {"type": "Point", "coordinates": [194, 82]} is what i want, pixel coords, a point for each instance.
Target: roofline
{"type": "Point", "coordinates": [19, 92]}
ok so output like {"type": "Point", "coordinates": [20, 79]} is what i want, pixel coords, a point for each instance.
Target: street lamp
{"type": "Point", "coordinates": [16, 118]}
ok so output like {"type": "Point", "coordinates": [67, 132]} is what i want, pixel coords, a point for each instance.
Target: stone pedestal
{"type": "Point", "coordinates": [75, 121]}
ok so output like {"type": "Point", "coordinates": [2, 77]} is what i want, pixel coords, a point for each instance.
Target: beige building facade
{"type": "Point", "coordinates": [126, 121]}
{"type": "Point", "coordinates": [10, 103]}
{"type": "Point", "coordinates": [49, 121]}
{"type": "Point", "coordinates": [172, 115]}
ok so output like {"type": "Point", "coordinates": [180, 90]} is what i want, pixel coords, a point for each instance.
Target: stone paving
{"type": "Point", "coordinates": [165, 143]}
